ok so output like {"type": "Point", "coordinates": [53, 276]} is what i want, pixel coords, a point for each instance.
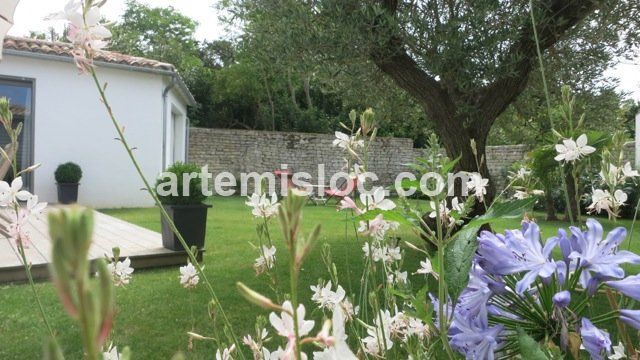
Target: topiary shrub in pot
{"type": "Point", "coordinates": [188, 211]}
{"type": "Point", "coordinates": [68, 177]}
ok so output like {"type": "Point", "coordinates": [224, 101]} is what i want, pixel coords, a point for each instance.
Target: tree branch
{"type": "Point", "coordinates": [391, 58]}
{"type": "Point", "coordinates": [553, 20]}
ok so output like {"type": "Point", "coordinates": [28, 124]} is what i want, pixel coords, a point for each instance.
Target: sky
{"type": "Point", "coordinates": [30, 13]}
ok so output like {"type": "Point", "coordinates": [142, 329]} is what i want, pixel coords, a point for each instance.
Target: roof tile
{"type": "Point", "coordinates": [65, 49]}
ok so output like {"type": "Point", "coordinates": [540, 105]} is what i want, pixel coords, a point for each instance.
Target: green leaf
{"type": "Point", "coordinates": [422, 306]}
{"type": "Point", "coordinates": [529, 348]}
{"type": "Point", "coordinates": [457, 259]}
{"type": "Point", "coordinates": [505, 210]}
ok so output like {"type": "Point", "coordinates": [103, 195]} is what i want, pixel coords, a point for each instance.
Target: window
{"type": "Point", "coordinates": [20, 95]}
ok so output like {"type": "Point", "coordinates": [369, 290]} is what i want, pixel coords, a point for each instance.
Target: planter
{"type": "Point", "coordinates": [68, 193]}
{"type": "Point", "coordinates": [191, 222]}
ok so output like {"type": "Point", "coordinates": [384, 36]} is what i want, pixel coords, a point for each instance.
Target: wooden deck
{"type": "Point", "coordinates": [142, 246]}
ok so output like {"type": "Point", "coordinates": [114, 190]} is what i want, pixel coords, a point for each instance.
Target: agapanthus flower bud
{"type": "Point", "coordinates": [562, 299]}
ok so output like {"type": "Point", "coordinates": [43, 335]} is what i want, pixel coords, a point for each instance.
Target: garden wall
{"type": "Point", "coordinates": [239, 151]}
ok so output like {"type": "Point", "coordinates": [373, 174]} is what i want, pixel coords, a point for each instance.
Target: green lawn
{"type": "Point", "coordinates": [155, 312]}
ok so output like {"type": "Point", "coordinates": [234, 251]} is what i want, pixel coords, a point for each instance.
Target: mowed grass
{"type": "Point", "coordinates": [155, 312]}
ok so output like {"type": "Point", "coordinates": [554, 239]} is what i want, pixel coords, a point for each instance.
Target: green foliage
{"type": "Point", "coordinates": [457, 260]}
{"type": "Point", "coordinates": [68, 173]}
{"type": "Point", "coordinates": [529, 348]}
{"type": "Point", "coordinates": [229, 237]}
{"type": "Point", "coordinates": [159, 33]}
{"type": "Point", "coordinates": [179, 169]}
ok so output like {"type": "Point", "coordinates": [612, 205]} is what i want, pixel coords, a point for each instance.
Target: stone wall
{"type": "Point", "coordinates": [238, 151]}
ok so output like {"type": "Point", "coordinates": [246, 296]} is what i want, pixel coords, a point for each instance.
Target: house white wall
{"type": "Point", "coordinates": [71, 124]}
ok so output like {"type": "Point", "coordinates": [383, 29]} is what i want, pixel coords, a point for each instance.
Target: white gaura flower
{"type": "Point", "coordinates": [379, 335]}
{"type": "Point", "coordinates": [522, 173]}
{"type": "Point", "coordinates": [600, 200]}
{"type": "Point", "coordinates": [378, 227]}
{"type": "Point", "coordinates": [266, 260]}
{"type": "Point", "coordinates": [348, 203]}
{"type": "Point", "coordinates": [386, 254]}
{"type": "Point", "coordinates": [628, 171]}
{"type": "Point", "coordinates": [327, 298]}
{"type": "Point", "coordinates": [478, 185]}
{"type": "Point", "coordinates": [618, 352]}
{"type": "Point", "coordinates": [620, 198]}
{"type": "Point", "coordinates": [256, 346]}
{"type": "Point", "coordinates": [570, 150]}
{"type": "Point", "coordinates": [375, 200]}
{"type": "Point", "coordinates": [34, 207]}
{"type": "Point", "coordinates": [456, 205]}
{"type": "Point", "coordinates": [426, 268]}
{"type": "Point", "coordinates": [225, 354]}
{"type": "Point", "coordinates": [276, 355]}
{"type": "Point", "coordinates": [347, 142]}
{"type": "Point", "coordinates": [121, 272]}
{"type": "Point", "coordinates": [417, 328]}
{"type": "Point", "coordinates": [86, 32]}
{"type": "Point", "coordinates": [525, 194]}
{"type": "Point", "coordinates": [340, 349]}
{"type": "Point", "coordinates": [16, 230]}
{"type": "Point", "coordinates": [13, 193]}
{"type": "Point", "coordinates": [284, 325]}
{"type": "Point", "coordinates": [263, 207]}
{"type": "Point", "coordinates": [392, 254]}
{"type": "Point", "coordinates": [445, 213]}
{"type": "Point", "coordinates": [189, 276]}
{"type": "Point", "coordinates": [397, 277]}
{"type": "Point", "coordinates": [611, 176]}
{"type": "Point", "coordinates": [603, 200]}
{"type": "Point", "coordinates": [519, 194]}
{"type": "Point", "coordinates": [111, 354]}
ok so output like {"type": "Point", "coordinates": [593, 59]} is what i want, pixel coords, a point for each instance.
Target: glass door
{"type": "Point", "coordinates": [20, 95]}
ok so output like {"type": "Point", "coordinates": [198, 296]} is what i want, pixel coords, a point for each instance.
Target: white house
{"type": "Point", "coordinates": [64, 119]}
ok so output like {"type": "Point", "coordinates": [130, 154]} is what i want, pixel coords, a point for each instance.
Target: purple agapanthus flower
{"type": "Point", "coordinates": [515, 252]}
{"type": "Point", "coordinates": [630, 286]}
{"type": "Point", "coordinates": [473, 337]}
{"type": "Point", "coordinates": [564, 242]}
{"type": "Point", "coordinates": [562, 299]}
{"type": "Point", "coordinates": [473, 300]}
{"type": "Point", "coordinates": [448, 310]}
{"type": "Point", "coordinates": [594, 340]}
{"type": "Point", "coordinates": [599, 256]}
{"type": "Point", "coordinates": [631, 317]}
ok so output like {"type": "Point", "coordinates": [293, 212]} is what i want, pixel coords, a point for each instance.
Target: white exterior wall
{"type": "Point", "coordinates": [71, 124]}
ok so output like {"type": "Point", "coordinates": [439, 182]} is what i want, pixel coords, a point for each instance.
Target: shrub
{"type": "Point", "coordinates": [195, 195]}
{"type": "Point", "coordinates": [68, 173]}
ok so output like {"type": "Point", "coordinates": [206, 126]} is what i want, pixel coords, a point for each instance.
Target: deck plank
{"type": "Point", "coordinates": [142, 245]}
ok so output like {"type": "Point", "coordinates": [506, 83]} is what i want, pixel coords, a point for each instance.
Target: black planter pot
{"type": "Point", "coordinates": [191, 221]}
{"type": "Point", "coordinates": [68, 193]}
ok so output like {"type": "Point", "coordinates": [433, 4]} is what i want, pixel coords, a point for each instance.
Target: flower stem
{"type": "Point", "coordinates": [27, 269]}
{"type": "Point", "coordinates": [442, 286]}
{"type": "Point", "coordinates": [163, 212]}
{"type": "Point", "coordinates": [294, 301]}
{"type": "Point", "coordinates": [628, 344]}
